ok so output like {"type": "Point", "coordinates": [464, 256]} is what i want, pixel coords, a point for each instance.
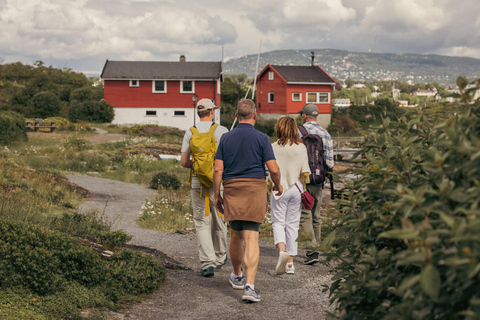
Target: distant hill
{"type": "Point", "coordinates": [367, 66]}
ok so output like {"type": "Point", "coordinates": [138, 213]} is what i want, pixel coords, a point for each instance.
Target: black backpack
{"type": "Point", "coordinates": [316, 161]}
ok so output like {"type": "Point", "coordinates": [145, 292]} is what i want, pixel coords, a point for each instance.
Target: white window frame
{"type": "Point", "coordinates": [150, 115]}
{"type": "Point", "coordinates": [317, 97]}
{"type": "Point", "coordinates": [179, 111]}
{"type": "Point", "coordinates": [271, 94]}
{"type": "Point", "coordinates": [164, 86]}
{"type": "Point", "coordinates": [293, 96]}
{"type": "Point", "coordinates": [270, 75]}
{"type": "Point", "coordinates": [193, 86]}
{"type": "Point", "coordinates": [134, 85]}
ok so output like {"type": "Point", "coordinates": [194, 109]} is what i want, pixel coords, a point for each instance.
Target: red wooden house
{"type": "Point", "coordinates": [284, 90]}
{"type": "Point", "coordinates": [162, 93]}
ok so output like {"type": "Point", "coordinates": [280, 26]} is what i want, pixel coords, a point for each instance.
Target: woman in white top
{"type": "Point", "coordinates": [291, 156]}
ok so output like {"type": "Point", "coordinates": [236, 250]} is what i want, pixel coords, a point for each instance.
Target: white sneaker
{"type": "Point", "coordinates": [282, 262]}
{"type": "Point", "coordinates": [290, 268]}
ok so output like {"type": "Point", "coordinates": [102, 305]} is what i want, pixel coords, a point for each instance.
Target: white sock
{"type": "Point", "coordinates": [240, 276]}
{"type": "Point", "coordinates": [250, 285]}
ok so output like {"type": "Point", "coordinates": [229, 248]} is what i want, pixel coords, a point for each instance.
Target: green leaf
{"type": "Point", "coordinates": [430, 281]}
{"type": "Point", "coordinates": [399, 234]}
{"type": "Point", "coordinates": [407, 283]}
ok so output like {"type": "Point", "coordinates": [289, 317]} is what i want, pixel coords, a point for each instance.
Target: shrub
{"type": "Point", "coordinates": [407, 239]}
{"type": "Point", "coordinates": [12, 128]}
{"type": "Point", "coordinates": [58, 277]}
{"type": "Point", "coordinates": [77, 144]}
{"type": "Point", "coordinates": [93, 225]}
{"type": "Point", "coordinates": [266, 126]}
{"type": "Point", "coordinates": [91, 111]}
{"type": "Point", "coordinates": [347, 125]}
{"type": "Point", "coordinates": [46, 104]}
{"type": "Point", "coordinates": [165, 180]}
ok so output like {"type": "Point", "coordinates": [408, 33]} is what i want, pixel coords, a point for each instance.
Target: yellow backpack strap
{"type": "Point", "coordinates": [207, 202]}
{"type": "Point", "coordinates": [213, 127]}
{"type": "Point", "coordinates": [194, 131]}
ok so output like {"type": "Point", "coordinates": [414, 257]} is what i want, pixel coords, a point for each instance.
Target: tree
{"type": "Point", "coordinates": [46, 104]}
{"type": "Point", "coordinates": [91, 111]}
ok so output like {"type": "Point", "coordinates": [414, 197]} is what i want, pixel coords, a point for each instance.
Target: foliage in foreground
{"type": "Point", "coordinates": [408, 239]}
{"type": "Point", "coordinates": [52, 277]}
{"type": "Point", "coordinates": [12, 128]}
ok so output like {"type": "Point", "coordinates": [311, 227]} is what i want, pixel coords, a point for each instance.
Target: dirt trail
{"type": "Point", "coordinates": [185, 295]}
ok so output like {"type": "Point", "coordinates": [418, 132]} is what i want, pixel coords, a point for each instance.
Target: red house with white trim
{"type": "Point", "coordinates": [284, 90]}
{"type": "Point", "coordinates": [162, 93]}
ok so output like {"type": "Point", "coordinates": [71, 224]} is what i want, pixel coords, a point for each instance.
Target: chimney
{"type": "Point", "coordinates": [313, 58]}
{"type": "Point", "coordinates": [182, 58]}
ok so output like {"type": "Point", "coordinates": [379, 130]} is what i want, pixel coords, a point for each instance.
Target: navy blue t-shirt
{"type": "Point", "coordinates": [244, 150]}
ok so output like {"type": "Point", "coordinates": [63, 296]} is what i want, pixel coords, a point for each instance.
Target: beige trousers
{"type": "Point", "coordinates": [211, 230]}
{"type": "Point", "coordinates": [310, 219]}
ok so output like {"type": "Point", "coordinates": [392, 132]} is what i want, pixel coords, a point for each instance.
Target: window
{"type": "Point", "coordinates": [271, 97]}
{"type": "Point", "coordinates": [318, 97]}
{"type": "Point", "coordinates": [179, 113]}
{"type": "Point", "coordinates": [134, 83]}
{"type": "Point", "coordinates": [187, 87]}
{"type": "Point", "coordinates": [270, 75]}
{"type": "Point", "coordinates": [151, 113]}
{"type": "Point", "coordinates": [159, 86]}
{"type": "Point", "coordinates": [296, 96]}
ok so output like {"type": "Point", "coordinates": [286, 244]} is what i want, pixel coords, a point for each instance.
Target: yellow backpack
{"type": "Point", "coordinates": [203, 148]}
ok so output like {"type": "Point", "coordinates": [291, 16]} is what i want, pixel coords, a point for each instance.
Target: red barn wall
{"type": "Point", "coordinates": [119, 94]}
{"type": "Point", "coordinates": [296, 106]}
{"type": "Point", "coordinates": [278, 86]}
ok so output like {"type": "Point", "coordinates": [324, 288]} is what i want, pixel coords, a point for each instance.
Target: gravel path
{"type": "Point", "coordinates": [185, 295]}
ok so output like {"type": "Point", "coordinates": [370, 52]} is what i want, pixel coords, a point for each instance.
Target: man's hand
{"type": "Point", "coordinates": [219, 204]}
{"type": "Point", "coordinates": [278, 188]}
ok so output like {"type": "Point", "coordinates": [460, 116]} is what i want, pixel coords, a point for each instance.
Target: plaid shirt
{"type": "Point", "coordinates": [314, 128]}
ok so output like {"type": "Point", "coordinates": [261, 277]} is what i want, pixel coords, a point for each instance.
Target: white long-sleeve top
{"type": "Point", "coordinates": [292, 161]}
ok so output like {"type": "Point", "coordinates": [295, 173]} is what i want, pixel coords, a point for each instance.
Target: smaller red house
{"type": "Point", "coordinates": [160, 92]}
{"type": "Point", "coordinates": [284, 90]}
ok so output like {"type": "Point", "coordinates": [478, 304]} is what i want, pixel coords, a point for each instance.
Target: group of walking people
{"type": "Point", "coordinates": [245, 162]}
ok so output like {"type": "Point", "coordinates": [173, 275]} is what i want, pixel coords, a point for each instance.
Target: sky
{"type": "Point", "coordinates": [82, 34]}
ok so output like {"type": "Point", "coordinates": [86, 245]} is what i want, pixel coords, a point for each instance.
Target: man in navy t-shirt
{"type": "Point", "coordinates": [240, 162]}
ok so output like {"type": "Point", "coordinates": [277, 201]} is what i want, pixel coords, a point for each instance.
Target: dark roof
{"type": "Point", "coordinates": [178, 70]}
{"type": "Point", "coordinates": [303, 74]}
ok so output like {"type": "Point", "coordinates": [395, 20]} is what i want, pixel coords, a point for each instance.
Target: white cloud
{"type": "Point", "coordinates": [400, 15]}
{"type": "Point", "coordinates": [95, 30]}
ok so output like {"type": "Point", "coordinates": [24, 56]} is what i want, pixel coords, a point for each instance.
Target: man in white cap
{"type": "Point", "coordinates": [310, 219]}
{"type": "Point", "coordinates": [210, 228]}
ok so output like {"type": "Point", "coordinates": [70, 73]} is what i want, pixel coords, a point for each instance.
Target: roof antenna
{"type": "Point", "coordinates": [313, 58]}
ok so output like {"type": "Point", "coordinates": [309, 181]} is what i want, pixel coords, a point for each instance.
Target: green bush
{"type": "Point", "coordinates": [46, 104]}
{"type": "Point", "coordinates": [77, 144]}
{"type": "Point", "coordinates": [165, 180]}
{"type": "Point", "coordinates": [12, 128]}
{"type": "Point", "coordinates": [91, 111]}
{"type": "Point", "coordinates": [407, 240]}
{"type": "Point", "coordinates": [266, 126]}
{"type": "Point", "coordinates": [44, 261]}
{"type": "Point", "coordinates": [48, 275]}
{"type": "Point", "coordinates": [93, 225]}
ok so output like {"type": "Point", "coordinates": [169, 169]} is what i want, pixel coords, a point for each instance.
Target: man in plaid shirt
{"type": "Point", "coordinates": [310, 219]}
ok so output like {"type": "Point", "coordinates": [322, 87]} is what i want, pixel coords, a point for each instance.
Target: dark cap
{"type": "Point", "coordinates": [310, 110]}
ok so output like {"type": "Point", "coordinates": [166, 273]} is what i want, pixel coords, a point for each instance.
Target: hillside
{"type": "Point", "coordinates": [366, 65]}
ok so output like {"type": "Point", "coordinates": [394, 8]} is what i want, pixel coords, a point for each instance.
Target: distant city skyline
{"type": "Point", "coordinates": [82, 35]}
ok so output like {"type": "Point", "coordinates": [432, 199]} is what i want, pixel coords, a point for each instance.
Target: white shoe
{"type": "Point", "coordinates": [282, 262]}
{"type": "Point", "coordinates": [290, 268]}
